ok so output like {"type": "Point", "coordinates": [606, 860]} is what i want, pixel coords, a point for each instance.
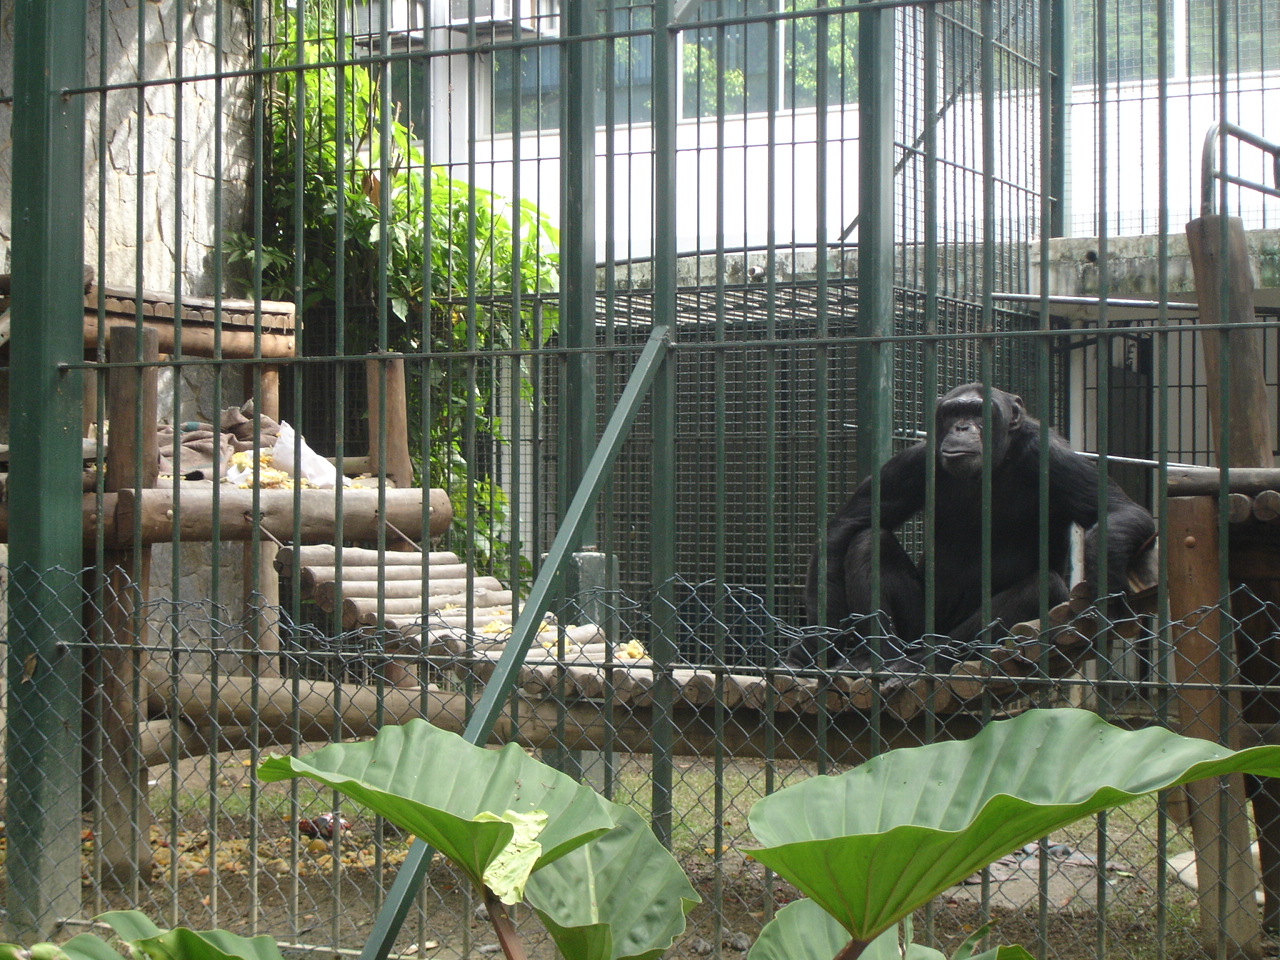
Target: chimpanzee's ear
{"type": "Point", "coordinates": [1016, 412]}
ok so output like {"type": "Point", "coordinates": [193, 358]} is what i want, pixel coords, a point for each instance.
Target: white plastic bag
{"type": "Point", "coordinates": [311, 466]}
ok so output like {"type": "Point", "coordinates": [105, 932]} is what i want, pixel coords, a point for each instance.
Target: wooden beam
{"type": "Point", "coordinates": [1204, 481]}
{"type": "Point", "coordinates": [316, 513]}
{"type": "Point", "coordinates": [1219, 817]}
{"type": "Point", "coordinates": [132, 461]}
{"type": "Point", "coordinates": [1220, 263]}
{"type": "Point", "coordinates": [198, 340]}
{"type": "Point", "coordinates": [236, 706]}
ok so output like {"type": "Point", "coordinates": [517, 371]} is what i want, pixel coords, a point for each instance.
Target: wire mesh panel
{"type": "Point", "coordinates": [323, 322]}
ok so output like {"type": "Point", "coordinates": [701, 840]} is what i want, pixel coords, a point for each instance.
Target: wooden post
{"type": "Point", "coordinates": [1219, 815]}
{"type": "Point", "coordinates": [261, 582]}
{"type": "Point", "coordinates": [1250, 427]}
{"type": "Point", "coordinates": [132, 461]}
{"type": "Point", "coordinates": [389, 457]}
{"type": "Point", "coordinates": [393, 460]}
{"type": "Point", "coordinates": [1220, 263]}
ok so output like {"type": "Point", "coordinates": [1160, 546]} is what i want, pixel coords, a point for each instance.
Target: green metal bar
{"type": "Point", "coordinates": [652, 360]}
{"type": "Point", "coordinates": [578, 252]}
{"type": "Point", "coordinates": [1061, 69]}
{"type": "Point", "coordinates": [662, 559]}
{"type": "Point", "coordinates": [874, 404]}
{"type": "Point", "coordinates": [876, 87]}
{"type": "Point", "coordinates": [45, 597]}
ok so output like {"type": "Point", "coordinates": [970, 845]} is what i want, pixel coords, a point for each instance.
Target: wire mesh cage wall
{"type": "Point", "coordinates": [256, 247]}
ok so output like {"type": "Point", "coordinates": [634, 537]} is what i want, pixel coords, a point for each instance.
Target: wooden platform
{"type": "Point", "coordinates": [433, 606]}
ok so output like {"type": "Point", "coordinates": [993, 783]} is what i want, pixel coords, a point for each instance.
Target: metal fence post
{"type": "Point", "coordinates": [876, 86]}
{"type": "Point", "coordinates": [45, 536]}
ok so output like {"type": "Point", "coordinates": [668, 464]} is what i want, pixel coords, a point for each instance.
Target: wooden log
{"type": "Point", "coordinates": [267, 707]}
{"type": "Point", "coordinates": [132, 460]}
{"type": "Point", "coordinates": [154, 511]}
{"type": "Point", "coordinates": [325, 593]}
{"type": "Point", "coordinates": [1205, 481]}
{"type": "Point", "coordinates": [635, 684]}
{"type": "Point", "coordinates": [1204, 710]}
{"type": "Point", "coordinates": [385, 379]}
{"type": "Point", "coordinates": [364, 611]}
{"type": "Point", "coordinates": [198, 340]}
{"type": "Point", "coordinates": [133, 452]}
{"type": "Point", "coordinates": [1239, 507]}
{"type": "Point", "coordinates": [1266, 505]}
{"type": "Point", "coordinates": [325, 555]}
{"type": "Point", "coordinates": [261, 585]}
{"type": "Point", "coordinates": [695, 686]}
{"type": "Point", "coordinates": [1220, 263]}
{"type": "Point", "coordinates": [311, 576]}
{"type": "Point", "coordinates": [584, 641]}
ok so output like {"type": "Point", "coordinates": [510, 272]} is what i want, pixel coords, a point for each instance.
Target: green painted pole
{"type": "Point", "coordinates": [876, 69]}
{"type": "Point", "coordinates": [45, 596]}
{"type": "Point", "coordinates": [874, 404]}
{"type": "Point", "coordinates": [662, 526]}
{"type": "Point", "coordinates": [578, 254]}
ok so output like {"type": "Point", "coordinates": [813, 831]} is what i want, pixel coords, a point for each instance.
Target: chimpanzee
{"type": "Point", "coordinates": [958, 514]}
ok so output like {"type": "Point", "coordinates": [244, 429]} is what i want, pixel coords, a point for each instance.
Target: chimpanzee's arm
{"type": "Point", "coordinates": [1074, 486]}
{"type": "Point", "coordinates": [901, 496]}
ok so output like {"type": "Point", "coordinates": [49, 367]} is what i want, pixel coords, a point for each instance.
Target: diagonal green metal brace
{"type": "Point", "coordinates": [387, 924]}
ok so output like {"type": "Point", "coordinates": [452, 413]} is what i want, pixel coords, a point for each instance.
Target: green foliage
{"type": "Point", "coordinates": [146, 941]}
{"type": "Point", "coordinates": [451, 267]}
{"type": "Point", "coordinates": [602, 884]}
{"type": "Point", "coordinates": [872, 845]}
{"type": "Point", "coordinates": [869, 846]}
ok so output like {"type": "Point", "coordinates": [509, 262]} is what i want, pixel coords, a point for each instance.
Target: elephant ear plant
{"type": "Point", "coordinates": [870, 846]}
{"type": "Point", "coordinates": [603, 886]}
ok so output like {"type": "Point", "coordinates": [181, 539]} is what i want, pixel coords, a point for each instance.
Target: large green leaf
{"type": "Point", "coordinates": [181, 943]}
{"type": "Point", "coordinates": [84, 946]}
{"type": "Point", "coordinates": [620, 897]}
{"type": "Point", "coordinates": [431, 782]}
{"type": "Point", "coordinates": [802, 930]}
{"type": "Point", "coordinates": [875, 843]}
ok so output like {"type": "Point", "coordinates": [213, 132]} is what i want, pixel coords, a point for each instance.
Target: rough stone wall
{"type": "Point", "coordinates": [158, 149]}
{"type": "Point", "coordinates": [166, 166]}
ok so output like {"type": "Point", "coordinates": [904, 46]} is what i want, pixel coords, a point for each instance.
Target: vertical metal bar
{"type": "Point", "coordinates": [876, 89]}
{"type": "Point", "coordinates": [577, 407]}
{"type": "Point", "coordinates": [1162, 643]}
{"type": "Point", "coordinates": [874, 404]}
{"type": "Point", "coordinates": [1052, 66]}
{"type": "Point", "coordinates": [662, 560]}
{"type": "Point", "coordinates": [986, 354]}
{"type": "Point", "coordinates": [719, 499]}
{"type": "Point", "coordinates": [45, 597]}
{"type": "Point", "coordinates": [771, 423]}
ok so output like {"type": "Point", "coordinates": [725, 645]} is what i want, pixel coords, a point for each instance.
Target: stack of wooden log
{"type": "Point", "coordinates": [434, 606]}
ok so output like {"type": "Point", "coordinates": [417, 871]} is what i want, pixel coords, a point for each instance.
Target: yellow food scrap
{"type": "Point", "coordinates": [632, 650]}
{"type": "Point", "coordinates": [244, 459]}
{"type": "Point", "coordinates": [495, 627]}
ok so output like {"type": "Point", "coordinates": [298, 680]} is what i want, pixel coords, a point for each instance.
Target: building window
{"type": "Point", "coordinates": [755, 49]}
{"type": "Point", "coordinates": [527, 81]}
